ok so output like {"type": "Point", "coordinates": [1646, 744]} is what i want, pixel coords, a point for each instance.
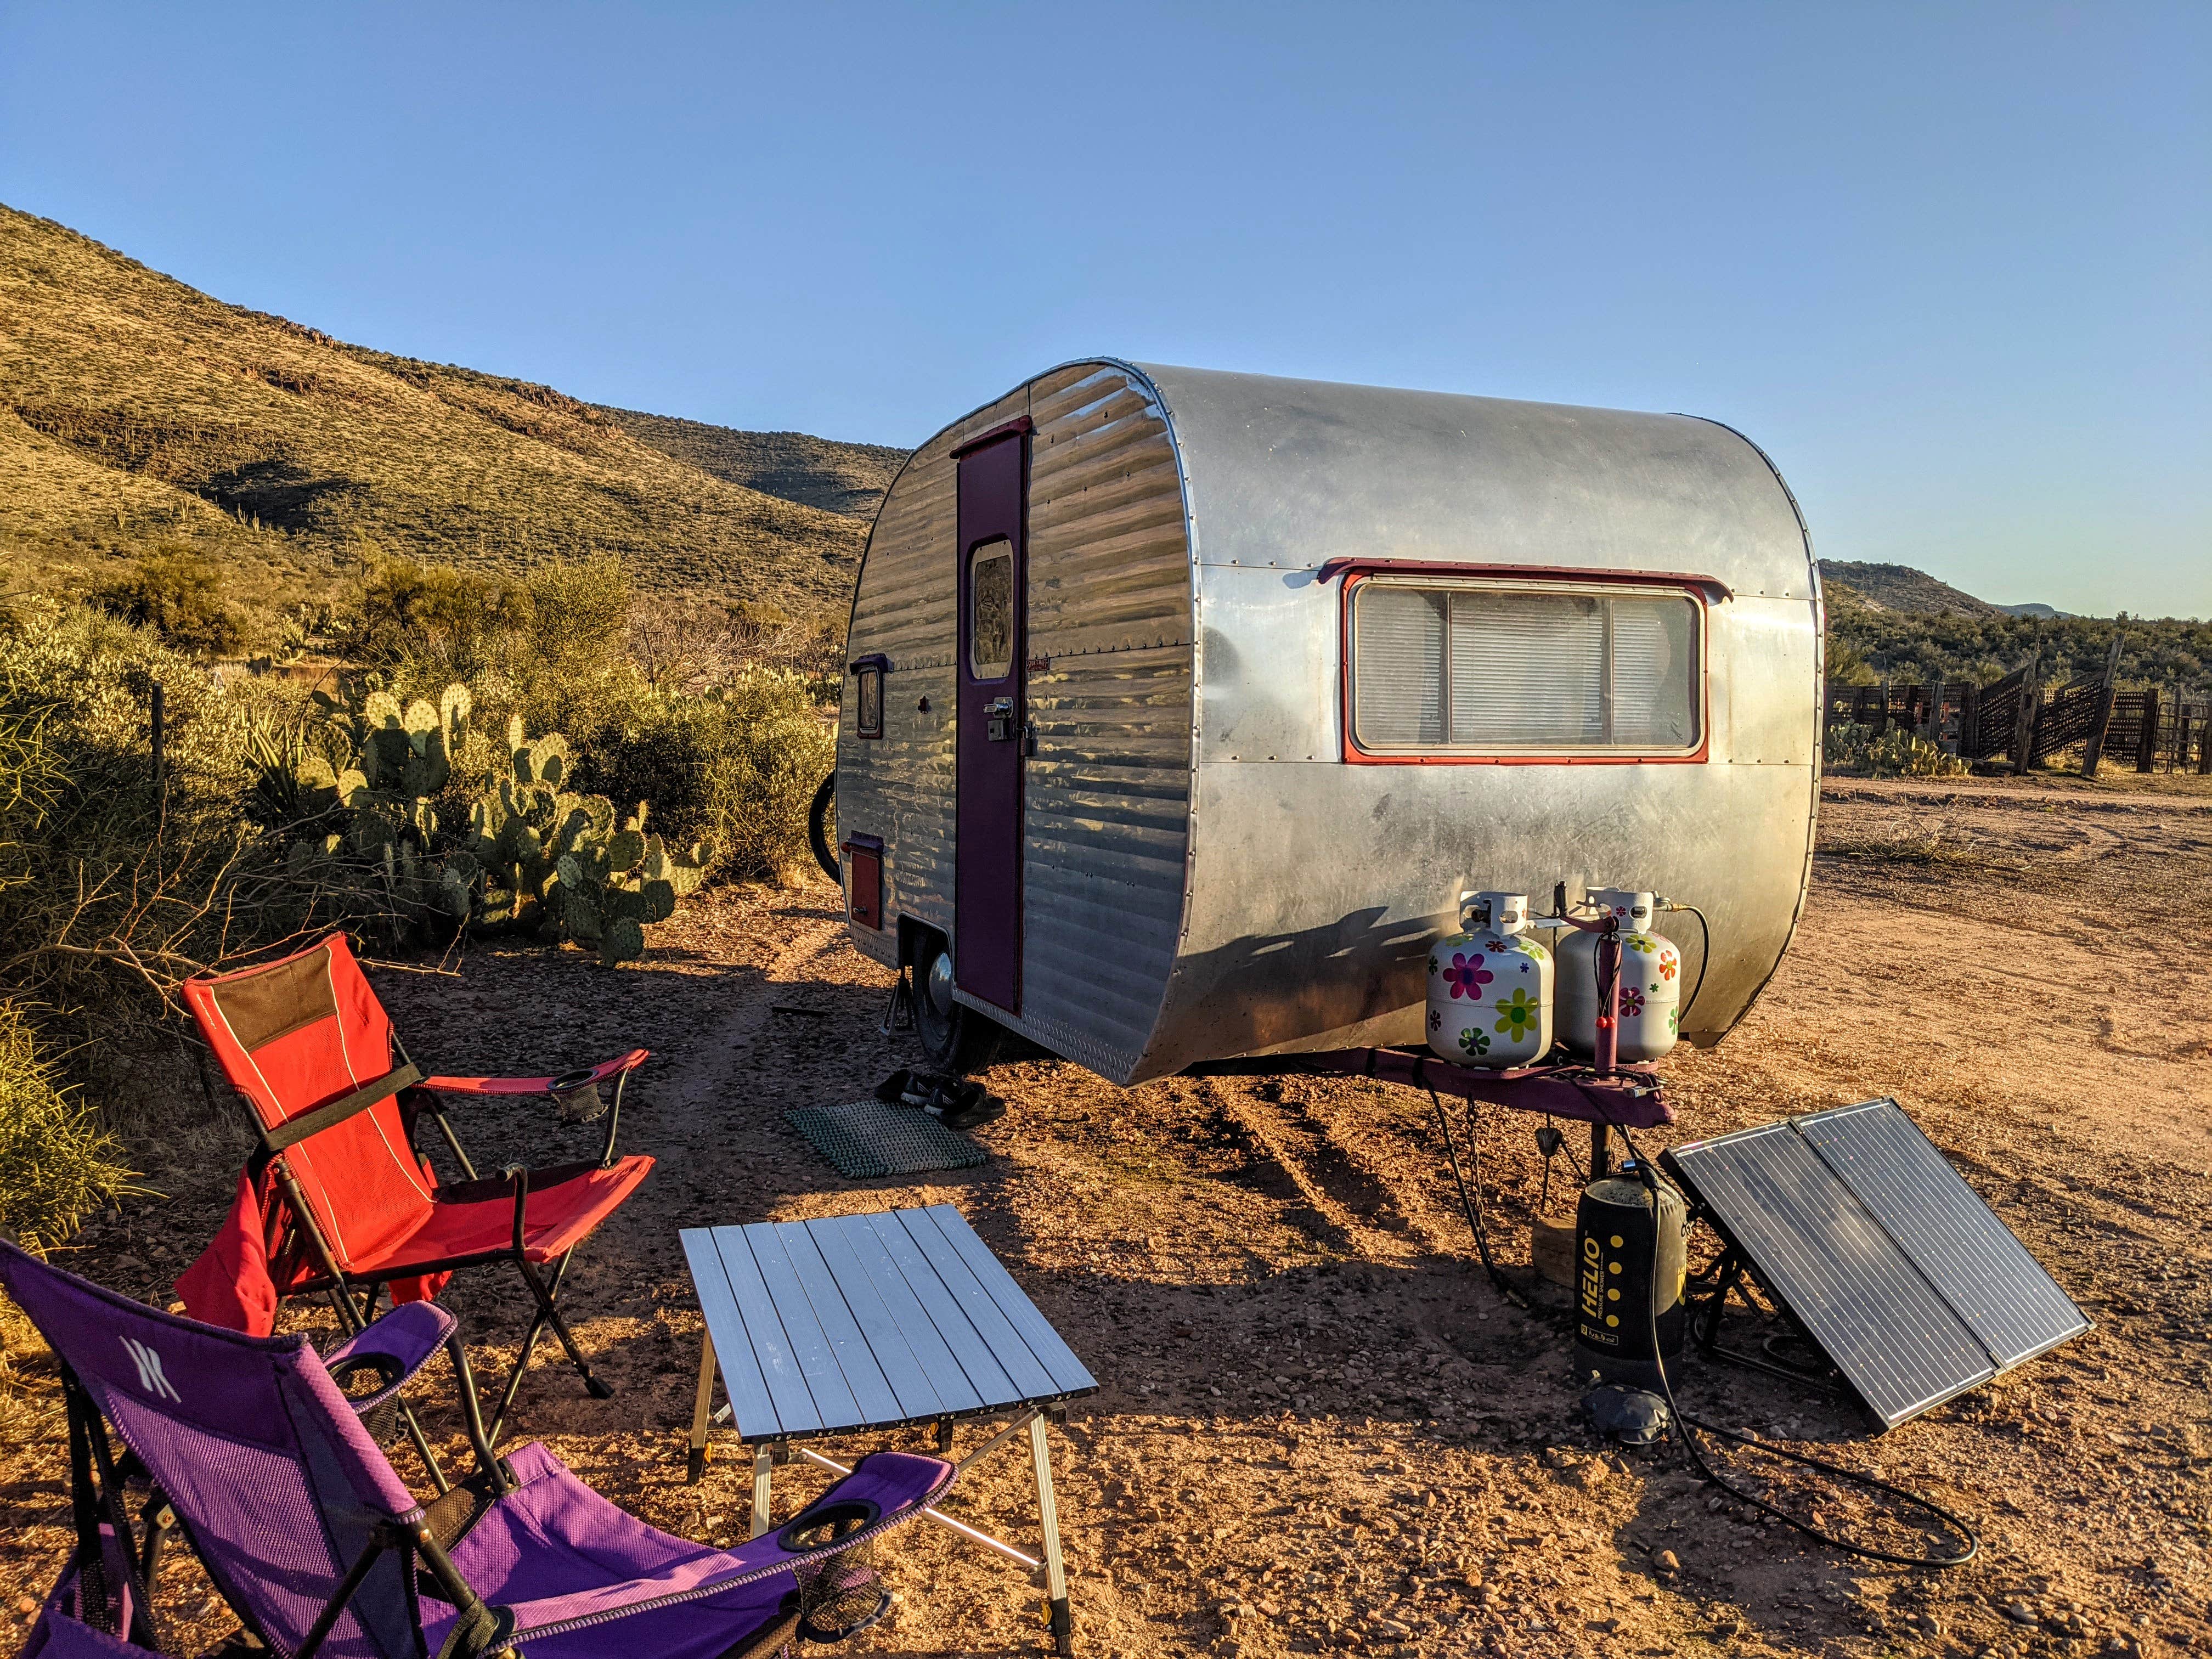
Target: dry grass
{"type": "Point", "coordinates": [133, 409]}
{"type": "Point", "coordinates": [1937, 847]}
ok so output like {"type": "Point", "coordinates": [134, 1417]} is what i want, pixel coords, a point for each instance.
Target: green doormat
{"type": "Point", "coordinates": [865, 1138]}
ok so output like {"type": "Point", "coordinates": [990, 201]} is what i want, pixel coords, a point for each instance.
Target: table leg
{"type": "Point", "coordinates": [1055, 1569]}
{"type": "Point", "coordinates": [762, 1463]}
{"type": "Point", "coordinates": [700, 1407]}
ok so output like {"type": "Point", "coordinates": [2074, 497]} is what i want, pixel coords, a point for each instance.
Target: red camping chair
{"type": "Point", "coordinates": [306, 1042]}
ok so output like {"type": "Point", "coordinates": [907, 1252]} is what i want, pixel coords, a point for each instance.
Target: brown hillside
{"type": "Point", "coordinates": [136, 411]}
{"type": "Point", "coordinates": [1900, 587]}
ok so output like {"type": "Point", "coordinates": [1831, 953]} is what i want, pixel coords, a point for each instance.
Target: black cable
{"type": "Point", "coordinates": [1473, 1208]}
{"type": "Point", "coordinates": [1704, 956]}
{"type": "Point", "coordinates": [1646, 1174]}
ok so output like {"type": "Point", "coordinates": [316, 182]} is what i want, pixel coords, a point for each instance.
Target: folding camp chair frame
{"type": "Point", "coordinates": [97, 1489]}
{"type": "Point", "coordinates": [342, 1285]}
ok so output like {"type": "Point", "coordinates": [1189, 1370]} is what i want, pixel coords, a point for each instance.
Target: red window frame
{"type": "Point", "coordinates": [1702, 591]}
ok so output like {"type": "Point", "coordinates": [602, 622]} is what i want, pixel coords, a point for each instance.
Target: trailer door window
{"type": "Point", "coordinates": [1488, 669]}
{"type": "Point", "coordinates": [991, 610]}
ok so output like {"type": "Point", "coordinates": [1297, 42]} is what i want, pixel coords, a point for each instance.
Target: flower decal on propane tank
{"type": "Point", "coordinates": [1436, 1020]}
{"type": "Point", "coordinates": [1517, 1015]}
{"type": "Point", "coordinates": [1667, 962]}
{"type": "Point", "coordinates": [1475, 1041]}
{"type": "Point", "coordinates": [1466, 975]}
{"type": "Point", "coordinates": [1631, 1002]}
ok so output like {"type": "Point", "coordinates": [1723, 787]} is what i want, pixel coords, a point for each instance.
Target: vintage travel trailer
{"type": "Point", "coordinates": [1183, 706]}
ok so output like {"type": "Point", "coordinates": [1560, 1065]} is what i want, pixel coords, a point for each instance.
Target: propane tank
{"type": "Point", "coordinates": [1650, 981]}
{"type": "Point", "coordinates": [1614, 1285]}
{"type": "Point", "coordinates": [1490, 986]}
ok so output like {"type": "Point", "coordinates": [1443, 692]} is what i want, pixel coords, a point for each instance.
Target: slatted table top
{"type": "Point", "coordinates": [871, 1322]}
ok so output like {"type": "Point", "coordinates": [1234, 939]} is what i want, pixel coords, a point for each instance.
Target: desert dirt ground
{"type": "Point", "coordinates": [1321, 1428]}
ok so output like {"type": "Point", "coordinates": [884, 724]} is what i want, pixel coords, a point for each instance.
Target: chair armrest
{"type": "Point", "coordinates": [397, 1345]}
{"type": "Point", "coordinates": [531, 1086]}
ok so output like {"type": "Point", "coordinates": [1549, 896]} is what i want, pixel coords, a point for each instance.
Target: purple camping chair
{"type": "Point", "coordinates": [259, 1456]}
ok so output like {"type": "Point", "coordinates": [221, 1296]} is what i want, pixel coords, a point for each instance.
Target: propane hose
{"type": "Point", "coordinates": [1473, 1206]}
{"type": "Point", "coordinates": [1646, 1173]}
{"type": "Point", "coordinates": [1704, 953]}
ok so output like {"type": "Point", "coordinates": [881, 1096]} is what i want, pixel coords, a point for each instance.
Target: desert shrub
{"type": "Point", "coordinates": [449, 621]}
{"type": "Point", "coordinates": [1894, 753]}
{"type": "Point", "coordinates": [58, 1163]}
{"type": "Point", "coordinates": [708, 714]}
{"type": "Point", "coordinates": [177, 592]}
{"type": "Point", "coordinates": [736, 767]}
{"type": "Point", "coordinates": [550, 646]}
{"type": "Point", "coordinates": [114, 885]}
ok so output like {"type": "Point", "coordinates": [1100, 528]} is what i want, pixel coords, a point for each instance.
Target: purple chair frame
{"type": "Point", "coordinates": [260, 1461]}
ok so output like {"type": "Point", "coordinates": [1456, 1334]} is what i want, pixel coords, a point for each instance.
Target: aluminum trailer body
{"type": "Point", "coordinates": [1183, 705]}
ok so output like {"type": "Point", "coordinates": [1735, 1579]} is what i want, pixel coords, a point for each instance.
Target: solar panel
{"type": "Point", "coordinates": [1906, 1278]}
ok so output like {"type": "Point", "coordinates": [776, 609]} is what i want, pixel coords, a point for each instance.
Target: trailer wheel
{"type": "Point", "coordinates": [955, 1037]}
{"type": "Point", "coordinates": [822, 827]}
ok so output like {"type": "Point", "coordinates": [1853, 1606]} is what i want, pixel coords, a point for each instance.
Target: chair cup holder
{"type": "Point", "coordinates": [576, 1095]}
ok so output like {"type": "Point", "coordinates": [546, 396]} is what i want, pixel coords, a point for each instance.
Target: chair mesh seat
{"type": "Point", "coordinates": [279, 1490]}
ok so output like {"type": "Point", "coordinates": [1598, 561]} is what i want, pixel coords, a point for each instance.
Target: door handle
{"type": "Point", "coordinates": [999, 720]}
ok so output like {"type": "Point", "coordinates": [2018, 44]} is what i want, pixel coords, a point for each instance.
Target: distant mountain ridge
{"type": "Point", "coordinates": [837, 478]}
{"type": "Point", "coordinates": [1916, 593]}
{"type": "Point", "coordinates": [135, 411]}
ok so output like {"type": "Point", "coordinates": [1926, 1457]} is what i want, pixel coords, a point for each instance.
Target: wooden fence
{"type": "Point", "coordinates": [2152, 730]}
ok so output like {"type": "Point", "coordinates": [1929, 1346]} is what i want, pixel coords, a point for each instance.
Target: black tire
{"type": "Point", "coordinates": [954, 1037]}
{"type": "Point", "coordinates": [818, 828]}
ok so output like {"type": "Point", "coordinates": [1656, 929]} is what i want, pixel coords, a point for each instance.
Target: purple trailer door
{"type": "Point", "coordinates": [987, 895]}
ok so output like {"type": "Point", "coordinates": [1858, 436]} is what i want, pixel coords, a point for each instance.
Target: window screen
{"type": "Point", "coordinates": [991, 610]}
{"type": "Point", "coordinates": [1485, 670]}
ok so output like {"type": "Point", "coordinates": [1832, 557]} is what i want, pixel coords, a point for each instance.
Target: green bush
{"type": "Point", "coordinates": [176, 591]}
{"type": "Point", "coordinates": [115, 886]}
{"type": "Point", "coordinates": [548, 647]}
{"type": "Point", "coordinates": [56, 1164]}
{"type": "Point", "coordinates": [736, 767]}
{"type": "Point", "coordinates": [448, 621]}
{"type": "Point", "coordinates": [1894, 753]}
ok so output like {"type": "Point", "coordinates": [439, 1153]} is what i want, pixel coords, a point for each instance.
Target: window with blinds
{"type": "Point", "coordinates": [1476, 669]}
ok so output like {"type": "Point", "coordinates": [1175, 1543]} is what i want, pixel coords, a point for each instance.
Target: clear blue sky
{"type": "Point", "coordinates": [1952, 265]}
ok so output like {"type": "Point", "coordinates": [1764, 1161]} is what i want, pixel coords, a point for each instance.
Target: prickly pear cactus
{"type": "Point", "coordinates": [535, 856]}
{"type": "Point", "coordinates": [558, 862]}
{"type": "Point", "coordinates": [382, 805]}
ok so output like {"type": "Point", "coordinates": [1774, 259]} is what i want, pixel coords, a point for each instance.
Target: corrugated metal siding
{"type": "Point", "coordinates": [1108, 794]}
{"type": "Point", "coordinates": [1107, 804]}
{"type": "Point", "coordinates": [901, 786]}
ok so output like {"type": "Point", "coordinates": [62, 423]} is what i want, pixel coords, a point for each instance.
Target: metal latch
{"type": "Point", "coordinates": [999, 720]}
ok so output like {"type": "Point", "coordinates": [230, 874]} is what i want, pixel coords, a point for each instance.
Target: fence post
{"type": "Point", "coordinates": [2146, 739]}
{"type": "Point", "coordinates": [158, 712]}
{"type": "Point", "coordinates": [2204, 744]}
{"type": "Point", "coordinates": [2031, 704]}
{"type": "Point", "coordinates": [2094, 750]}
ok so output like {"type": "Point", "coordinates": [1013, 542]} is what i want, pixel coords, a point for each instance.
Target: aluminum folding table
{"type": "Point", "coordinates": [877, 1321]}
